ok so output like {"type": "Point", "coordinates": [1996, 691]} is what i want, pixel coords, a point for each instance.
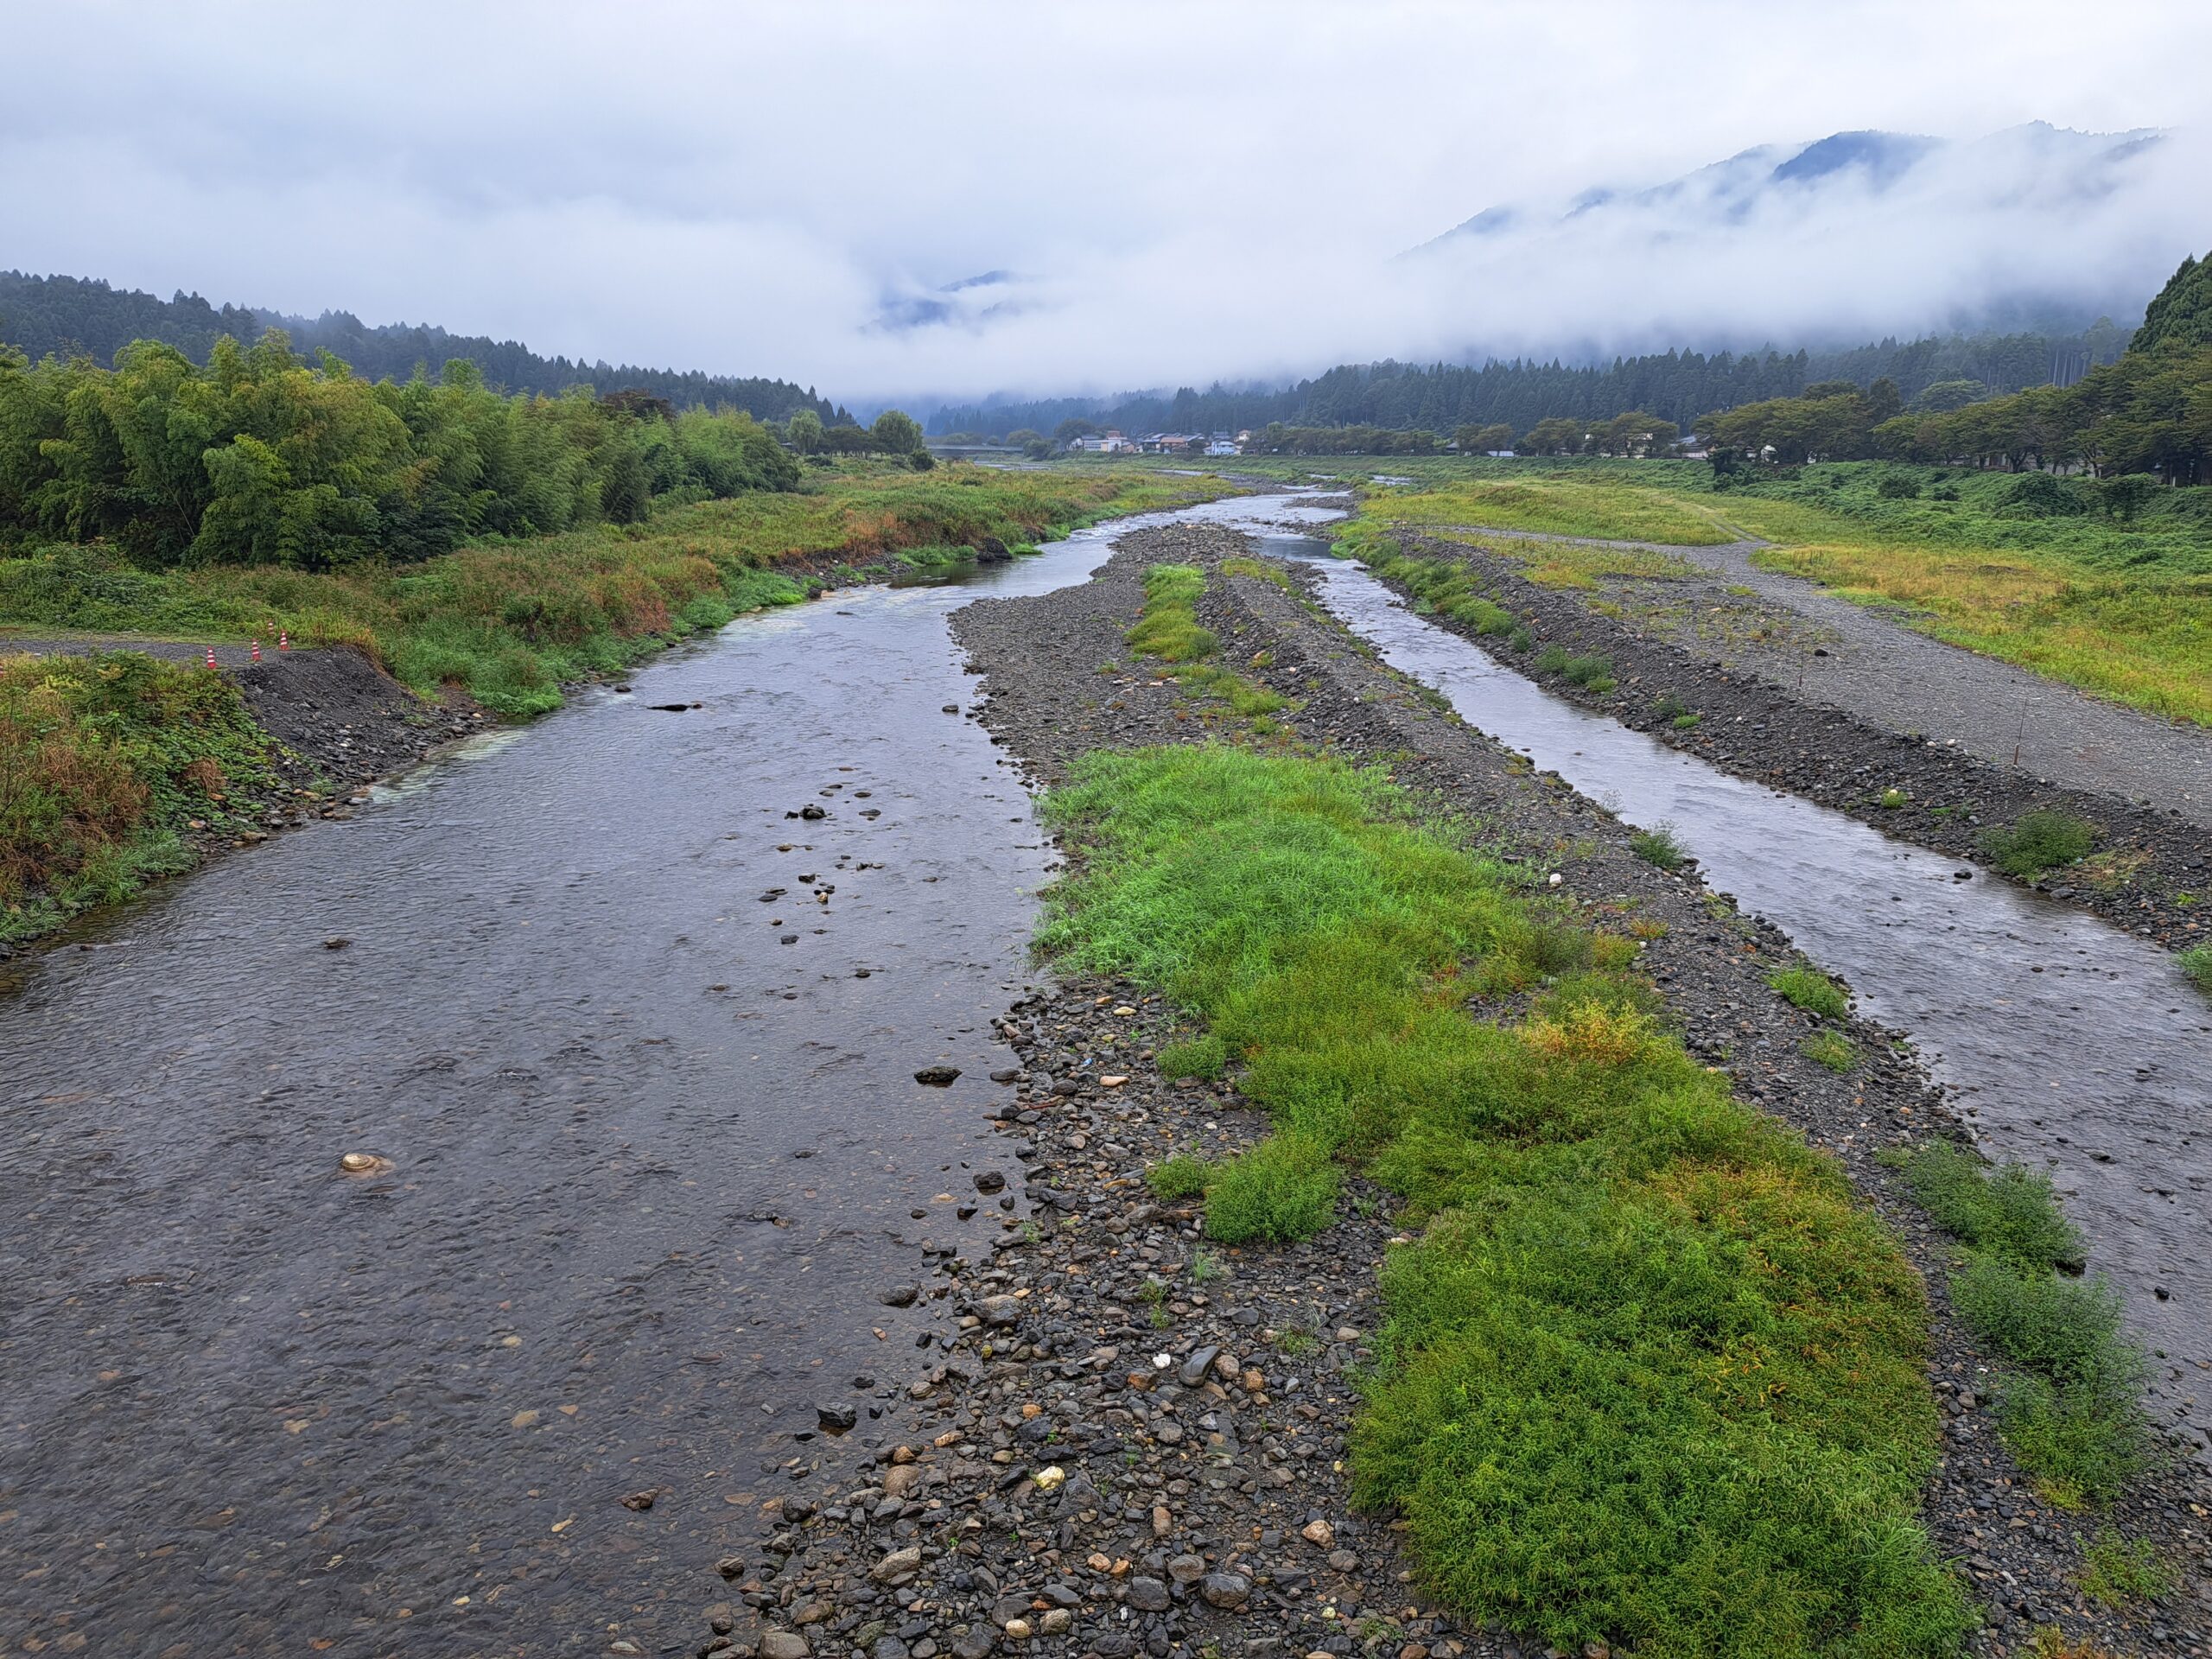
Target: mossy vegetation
{"type": "Point", "coordinates": [1650, 1375]}
{"type": "Point", "coordinates": [1180, 1176]}
{"type": "Point", "coordinates": [2196, 963]}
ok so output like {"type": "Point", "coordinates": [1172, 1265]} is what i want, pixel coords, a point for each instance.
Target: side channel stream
{"type": "Point", "coordinates": [638, 1043]}
{"type": "Point", "coordinates": [2065, 1043]}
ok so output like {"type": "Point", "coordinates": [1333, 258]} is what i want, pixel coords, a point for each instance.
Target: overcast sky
{"type": "Point", "coordinates": [1183, 190]}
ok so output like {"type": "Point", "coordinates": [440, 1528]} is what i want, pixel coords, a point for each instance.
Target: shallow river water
{"type": "Point", "coordinates": [2067, 1043]}
{"type": "Point", "coordinates": [655, 1143]}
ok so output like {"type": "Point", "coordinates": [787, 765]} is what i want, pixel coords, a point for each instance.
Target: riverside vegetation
{"type": "Point", "coordinates": [469, 543]}
{"type": "Point", "coordinates": [1737, 1444]}
{"type": "Point", "coordinates": [1406, 1004]}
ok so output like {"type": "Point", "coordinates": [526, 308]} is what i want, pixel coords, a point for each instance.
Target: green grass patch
{"type": "Point", "coordinates": [1201, 1057]}
{"type": "Point", "coordinates": [2041, 840]}
{"type": "Point", "coordinates": [2196, 963]}
{"type": "Point", "coordinates": [2069, 1402]}
{"type": "Point", "coordinates": [1833, 1050]}
{"type": "Point", "coordinates": [1169, 631]}
{"type": "Point", "coordinates": [1660, 845]}
{"type": "Point", "coordinates": [1555, 504]}
{"type": "Point", "coordinates": [2117, 1572]}
{"type": "Point", "coordinates": [1180, 1176]}
{"type": "Point", "coordinates": [1812, 990]}
{"type": "Point", "coordinates": [1650, 1375]}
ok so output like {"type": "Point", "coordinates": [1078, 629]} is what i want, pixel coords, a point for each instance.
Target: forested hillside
{"type": "Point", "coordinates": [69, 316]}
{"type": "Point", "coordinates": [1678, 386]}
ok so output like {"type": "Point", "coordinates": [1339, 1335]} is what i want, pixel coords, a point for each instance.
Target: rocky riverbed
{"type": "Point", "coordinates": [2152, 868]}
{"type": "Point", "coordinates": [1114, 1436]}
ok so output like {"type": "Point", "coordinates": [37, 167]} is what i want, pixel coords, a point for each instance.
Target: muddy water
{"type": "Point", "coordinates": [655, 1148]}
{"type": "Point", "coordinates": [2067, 1043]}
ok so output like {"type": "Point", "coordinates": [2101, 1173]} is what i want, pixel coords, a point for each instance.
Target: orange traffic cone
{"type": "Point", "coordinates": [211, 656]}
{"type": "Point", "coordinates": [257, 649]}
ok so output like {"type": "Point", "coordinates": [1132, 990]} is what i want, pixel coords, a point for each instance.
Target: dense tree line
{"type": "Point", "coordinates": [1677, 386]}
{"type": "Point", "coordinates": [260, 457]}
{"type": "Point", "coordinates": [2148, 413]}
{"type": "Point", "coordinates": [69, 316]}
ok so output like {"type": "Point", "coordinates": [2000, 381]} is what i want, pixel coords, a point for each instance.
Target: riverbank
{"type": "Point", "coordinates": [2146, 864]}
{"type": "Point", "coordinates": [1130, 1438]}
{"type": "Point", "coordinates": [138, 766]}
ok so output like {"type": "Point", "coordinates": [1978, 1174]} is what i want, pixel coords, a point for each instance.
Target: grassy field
{"type": "Point", "coordinates": [509, 622]}
{"type": "Point", "coordinates": [1649, 1375]}
{"type": "Point", "coordinates": [2120, 610]}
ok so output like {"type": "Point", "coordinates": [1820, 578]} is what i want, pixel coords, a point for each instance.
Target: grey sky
{"type": "Point", "coordinates": [1185, 189]}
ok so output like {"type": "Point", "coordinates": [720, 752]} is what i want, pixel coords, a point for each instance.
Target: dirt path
{"type": "Point", "coordinates": [1814, 642]}
{"type": "Point", "coordinates": [64, 643]}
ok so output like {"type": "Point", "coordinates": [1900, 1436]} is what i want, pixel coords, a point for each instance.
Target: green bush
{"type": "Point", "coordinates": [1660, 845]}
{"type": "Point", "coordinates": [1180, 1176]}
{"type": "Point", "coordinates": [2069, 1402]}
{"type": "Point", "coordinates": [1284, 1188]}
{"type": "Point", "coordinates": [1201, 1057]}
{"type": "Point", "coordinates": [1811, 990]}
{"type": "Point", "coordinates": [2011, 1212]}
{"type": "Point", "coordinates": [2041, 840]}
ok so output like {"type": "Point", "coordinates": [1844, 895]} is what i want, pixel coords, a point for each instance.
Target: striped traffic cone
{"type": "Point", "coordinates": [285, 639]}
{"type": "Point", "coordinates": [257, 649]}
{"type": "Point", "coordinates": [211, 656]}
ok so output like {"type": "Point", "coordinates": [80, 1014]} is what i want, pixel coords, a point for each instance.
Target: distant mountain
{"type": "Point", "coordinates": [71, 315]}
{"type": "Point", "coordinates": [2037, 164]}
{"type": "Point", "coordinates": [2035, 227]}
{"type": "Point", "coordinates": [971, 302]}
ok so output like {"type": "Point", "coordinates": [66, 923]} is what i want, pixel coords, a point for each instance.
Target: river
{"type": "Point", "coordinates": [637, 1044]}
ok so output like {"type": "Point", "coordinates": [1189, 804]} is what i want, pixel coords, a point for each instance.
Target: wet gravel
{"type": "Point", "coordinates": [1119, 1438]}
{"type": "Point", "coordinates": [2153, 866]}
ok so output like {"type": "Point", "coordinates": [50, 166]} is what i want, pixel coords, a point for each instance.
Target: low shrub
{"type": "Point", "coordinates": [2069, 1399]}
{"type": "Point", "coordinates": [1811, 990]}
{"type": "Point", "coordinates": [2042, 840]}
{"type": "Point", "coordinates": [1284, 1188]}
{"type": "Point", "coordinates": [1833, 1050]}
{"type": "Point", "coordinates": [1660, 845]}
{"type": "Point", "coordinates": [1180, 1176]}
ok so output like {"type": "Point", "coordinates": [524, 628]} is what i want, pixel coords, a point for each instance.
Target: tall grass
{"type": "Point", "coordinates": [105, 761]}
{"type": "Point", "coordinates": [1650, 1376]}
